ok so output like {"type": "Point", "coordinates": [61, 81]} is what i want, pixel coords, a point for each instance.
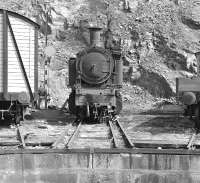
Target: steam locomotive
{"type": "Point", "coordinates": [95, 78]}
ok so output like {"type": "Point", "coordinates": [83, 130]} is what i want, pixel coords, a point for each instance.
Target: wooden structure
{"type": "Point", "coordinates": [18, 55]}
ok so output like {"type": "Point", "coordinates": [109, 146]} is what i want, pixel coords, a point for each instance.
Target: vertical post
{"type": "Point", "coordinates": [46, 26]}
{"type": "Point", "coordinates": [197, 54]}
{"type": "Point", "coordinates": [36, 62]}
{"type": "Point", "coordinates": [46, 74]}
{"type": "Point", "coordinates": [46, 61]}
{"type": "Point", "coordinates": [5, 54]}
{"type": "Point", "coordinates": [177, 90]}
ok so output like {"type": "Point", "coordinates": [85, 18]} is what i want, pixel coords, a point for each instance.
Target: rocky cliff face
{"type": "Point", "coordinates": [159, 40]}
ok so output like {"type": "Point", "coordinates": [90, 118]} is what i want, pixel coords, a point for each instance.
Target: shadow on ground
{"type": "Point", "coordinates": [159, 124]}
{"type": "Point", "coordinates": [53, 117]}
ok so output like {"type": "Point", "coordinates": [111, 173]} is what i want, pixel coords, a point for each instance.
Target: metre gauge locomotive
{"type": "Point", "coordinates": [95, 77]}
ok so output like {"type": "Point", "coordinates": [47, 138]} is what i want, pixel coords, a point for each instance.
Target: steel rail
{"type": "Point", "coordinates": [7, 143]}
{"type": "Point", "coordinates": [190, 144]}
{"type": "Point", "coordinates": [113, 137]}
{"type": "Point", "coordinates": [73, 136]}
{"type": "Point", "coordinates": [20, 136]}
{"type": "Point", "coordinates": [61, 137]}
{"type": "Point", "coordinates": [127, 140]}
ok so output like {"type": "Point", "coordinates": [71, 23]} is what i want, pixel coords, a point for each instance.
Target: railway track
{"type": "Point", "coordinates": [114, 135]}
{"type": "Point", "coordinates": [110, 135]}
{"type": "Point", "coordinates": [119, 137]}
{"type": "Point", "coordinates": [193, 142]}
{"type": "Point", "coordinates": [87, 136]}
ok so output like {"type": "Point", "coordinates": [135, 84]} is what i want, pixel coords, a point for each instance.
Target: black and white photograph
{"type": "Point", "coordinates": [99, 91]}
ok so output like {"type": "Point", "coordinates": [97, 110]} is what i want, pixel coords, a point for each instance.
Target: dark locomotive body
{"type": "Point", "coordinates": [95, 77]}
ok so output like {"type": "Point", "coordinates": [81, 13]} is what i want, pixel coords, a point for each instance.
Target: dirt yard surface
{"type": "Point", "coordinates": [168, 129]}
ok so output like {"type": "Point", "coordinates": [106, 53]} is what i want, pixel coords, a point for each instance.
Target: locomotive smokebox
{"type": "Point", "coordinates": [189, 98]}
{"type": "Point", "coordinates": [95, 36]}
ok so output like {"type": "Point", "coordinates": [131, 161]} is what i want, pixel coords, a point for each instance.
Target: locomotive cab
{"type": "Point", "coordinates": [95, 77]}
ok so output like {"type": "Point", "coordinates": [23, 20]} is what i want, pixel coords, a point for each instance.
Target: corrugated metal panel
{"type": "Point", "coordinates": [1, 53]}
{"type": "Point", "coordinates": [24, 35]}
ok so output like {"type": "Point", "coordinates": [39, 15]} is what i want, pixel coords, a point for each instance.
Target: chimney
{"type": "Point", "coordinates": [95, 36]}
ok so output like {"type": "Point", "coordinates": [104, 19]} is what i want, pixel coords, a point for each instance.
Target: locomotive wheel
{"type": "Point", "coordinates": [197, 118]}
{"type": "Point", "coordinates": [71, 103]}
{"type": "Point", "coordinates": [119, 103]}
